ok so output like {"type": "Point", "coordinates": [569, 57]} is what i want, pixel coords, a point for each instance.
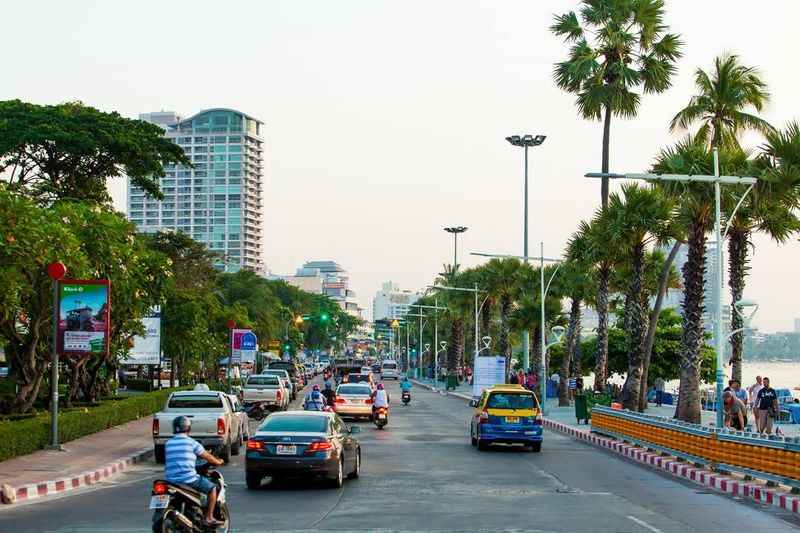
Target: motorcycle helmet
{"type": "Point", "coordinates": [181, 424]}
{"type": "Point", "coordinates": [315, 387]}
{"type": "Point", "coordinates": [380, 386]}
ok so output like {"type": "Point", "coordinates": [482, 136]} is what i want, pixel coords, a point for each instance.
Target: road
{"type": "Point", "coordinates": [421, 474]}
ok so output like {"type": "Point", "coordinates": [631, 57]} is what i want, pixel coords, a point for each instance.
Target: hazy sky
{"type": "Point", "coordinates": [385, 121]}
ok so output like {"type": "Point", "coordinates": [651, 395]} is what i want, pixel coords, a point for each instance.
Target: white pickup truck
{"type": "Point", "coordinates": [214, 422]}
{"type": "Point", "coordinates": [266, 389]}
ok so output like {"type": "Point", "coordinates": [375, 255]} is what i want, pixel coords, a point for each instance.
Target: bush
{"type": "Point", "coordinates": [139, 384]}
{"type": "Point", "coordinates": [20, 437]}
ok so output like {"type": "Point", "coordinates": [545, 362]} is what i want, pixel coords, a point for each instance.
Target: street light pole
{"type": "Point", "coordinates": [526, 141]}
{"type": "Point", "coordinates": [455, 230]}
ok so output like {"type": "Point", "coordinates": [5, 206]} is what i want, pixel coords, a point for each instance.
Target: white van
{"type": "Point", "coordinates": [389, 369]}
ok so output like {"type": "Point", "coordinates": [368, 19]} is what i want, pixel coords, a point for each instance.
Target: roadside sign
{"type": "Point", "coordinates": [489, 371]}
{"type": "Point", "coordinates": [244, 343]}
{"type": "Point", "coordinates": [146, 349]}
{"type": "Point", "coordinates": [83, 317]}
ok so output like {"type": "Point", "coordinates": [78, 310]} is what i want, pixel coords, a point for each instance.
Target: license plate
{"type": "Point", "coordinates": [382, 416]}
{"type": "Point", "coordinates": [159, 502]}
{"type": "Point", "coordinates": [512, 419]}
{"type": "Point", "coordinates": [286, 449]}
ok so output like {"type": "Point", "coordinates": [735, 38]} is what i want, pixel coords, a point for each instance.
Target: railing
{"type": "Point", "coordinates": [770, 458]}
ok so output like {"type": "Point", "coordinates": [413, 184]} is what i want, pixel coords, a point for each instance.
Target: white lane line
{"type": "Point", "coordinates": [645, 524]}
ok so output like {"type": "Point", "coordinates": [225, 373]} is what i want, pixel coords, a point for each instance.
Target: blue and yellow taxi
{"type": "Point", "coordinates": [506, 414]}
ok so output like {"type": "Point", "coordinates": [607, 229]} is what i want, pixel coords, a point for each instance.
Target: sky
{"type": "Point", "coordinates": [385, 121]}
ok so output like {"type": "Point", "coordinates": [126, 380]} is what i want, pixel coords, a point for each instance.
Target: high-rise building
{"type": "Point", "coordinates": [797, 325]}
{"type": "Point", "coordinates": [218, 200]}
{"type": "Point", "coordinates": [334, 281]}
{"type": "Point", "coordinates": [392, 302]}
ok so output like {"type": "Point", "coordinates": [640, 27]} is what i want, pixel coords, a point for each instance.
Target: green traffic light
{"type": "Point", "coordinates": [324, 317]}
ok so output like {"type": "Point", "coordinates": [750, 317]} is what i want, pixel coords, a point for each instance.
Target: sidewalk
{"type": "Point", "coordinates": [85, 461]}
{"type": "Point", "coordinates": [562, 420]}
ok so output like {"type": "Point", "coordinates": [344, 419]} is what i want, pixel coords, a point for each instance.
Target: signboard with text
{"type": "Point", "coordinates": [489, 371]}
{"type": "Point", "coordinates": [146, 349]}
{"type": "Point", "coordinates": [83, 317]}
{"type": "Point", "coordinates": [244, 344]}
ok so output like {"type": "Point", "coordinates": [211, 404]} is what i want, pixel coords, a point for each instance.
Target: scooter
{"type": "Point", "coordinates": [256, 411]}
{"type": "Point", "coordinates": [179, 508]}
{"type": "Point", "coordinates": [406, 397]}
{"type": "Point", "coordinates": [381, 417]}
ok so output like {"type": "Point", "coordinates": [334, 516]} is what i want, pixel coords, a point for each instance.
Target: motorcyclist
{"type": "Point", "coordinates": [380, 398]}
{"type": "Point", "coordinates": [314, 400]}
{"type": "Point", "coordinates": [405, 385]}
{"type": "Point", "coordinates": [327, 392]}
{"type": "Point", "coordinates": [181, 453]}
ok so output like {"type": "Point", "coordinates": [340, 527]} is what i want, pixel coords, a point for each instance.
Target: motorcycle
{"type": "Point", "coordinates": [381, 416]}
{"type": "Point", "coordinates": [256, 411]}
{"type": "Point", "coordinates": [406, 397]}
{"type": "Point", "coordinates": [179, 508]}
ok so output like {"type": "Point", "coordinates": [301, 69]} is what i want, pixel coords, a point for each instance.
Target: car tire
{"type": "Point", "coordinates": [472, 439]}
{"type": "Point", "coordinates": [160, 454]}
{"type": "Point", "coordinates": [338, 481]}
{"type": "Point", "coordinates": [253, 480]}
{"type": "Point", "coordinates": [482, 445]}
{"type": "Point", "coordinates": [357, 468]}
{"type": "Point", "coordinates": [237, 446]}
{"type": "Point", "coordinates": [536, 447]}
{"type": "Point", "coordinates": [225, 453]}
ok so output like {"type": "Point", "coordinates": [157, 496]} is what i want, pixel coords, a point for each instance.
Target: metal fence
{"type": "Point", "coordinates": [766, 457]}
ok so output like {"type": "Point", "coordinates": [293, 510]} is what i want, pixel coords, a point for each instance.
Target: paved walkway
{"type": "Point", "coordinates": [87, 456]}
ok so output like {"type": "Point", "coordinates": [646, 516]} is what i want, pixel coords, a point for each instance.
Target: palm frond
{"type": "Point", "coordinates": [567, 25]}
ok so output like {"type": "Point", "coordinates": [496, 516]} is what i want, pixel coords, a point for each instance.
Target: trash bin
{"type": "Point", "coordinates": [452, 382]}
{"type": "Point", "coordinates": [582, 409]}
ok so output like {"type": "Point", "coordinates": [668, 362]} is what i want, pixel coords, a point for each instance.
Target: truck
{"type": "Point", "coordinates": [215, 424]}
{"type": "Point", "coordinates": [267, 390]}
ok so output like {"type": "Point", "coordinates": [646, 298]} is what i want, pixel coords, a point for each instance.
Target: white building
{"type": "Point", "coordinates": [330, 279]}
{"type": "Point", "coordinates": [392, 302]}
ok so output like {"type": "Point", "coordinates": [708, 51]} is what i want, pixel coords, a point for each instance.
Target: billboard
{"type": "Point", "coordinates": [489, 371]}
{"type": "Point", "coordinates": [244, 345]}
{"type": "Point", "coordinates": [83, 317]}
{"type": "Point", "coordinates": [146, 349]}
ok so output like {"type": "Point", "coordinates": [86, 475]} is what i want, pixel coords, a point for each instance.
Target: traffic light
{"type": "Point", "coordinates": [287, 347]}
{"type": "Point", "coordinates": [323, 317]}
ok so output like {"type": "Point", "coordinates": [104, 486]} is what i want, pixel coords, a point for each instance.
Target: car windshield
{"type": "Point", "coordinates": [505, 400]}
{"type": "Point", "coordinates": [279, 373]}
{"type": "Point", "coordinates": [354, 389]}
{"type": "Point", "coordinates": [195, 401]}
{"type": "Point", "coordinates": [296, 423]}
{"type": "Point", "coordinates": [358, 378]}
{"type": "Point", "coordinates": [390, 366]}
{"type": "Point", "coordinates": [262, 381]}
{"type": "Point", "coordinates": [289, 367]}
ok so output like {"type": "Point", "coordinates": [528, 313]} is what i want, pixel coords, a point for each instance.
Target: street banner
{"type": "Point", "coordinates": [146, 350]}
{"type": "Point", "coordinates": [244, 343]}
{"type": "Point", "coordinates": [83, 317]}
{"type": "Point", "coordinates": [489, 371]}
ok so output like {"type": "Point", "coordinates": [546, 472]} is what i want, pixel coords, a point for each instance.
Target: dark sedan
{"type": "Point", "coordinates": [303, 444]}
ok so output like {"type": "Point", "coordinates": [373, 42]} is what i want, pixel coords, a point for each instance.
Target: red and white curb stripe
{"type": "Point", "coordinates": [701, 476]}
{"type": "Point", "coordinates": [729, 485]}
{"type": "Point", "coordinates": [57, 486]}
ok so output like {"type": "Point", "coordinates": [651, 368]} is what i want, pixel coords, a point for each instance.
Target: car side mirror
{"type": "Point", "coordinates": [354, 429]}
{"type": "Point", "coordinates": [473, 403]}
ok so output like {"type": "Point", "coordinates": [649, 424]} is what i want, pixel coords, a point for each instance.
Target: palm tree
{"type": "Point", "coordinates": [458, 305]}
{"type": "Point", "coordinates": [617, 47]}
{"type": "Point", "coordinates": [696, 216]}
{"type": "Point", "coordinates": [635, 219]}
{"type": "Point", "coordinates": [502, 278]}
{"type": "Point", "coordinates": [721, 103]}
{"type": "Point", "coordinates": [575, 284]}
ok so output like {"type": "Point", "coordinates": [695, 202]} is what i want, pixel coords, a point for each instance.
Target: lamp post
{"type": "Point", "coordinates": [542, 294]}
{"type": "Point", "coordinates": [526, 141]}
{"type": "Point", "coordinates": [436, 309]}
{"type": "Point", "coordinates": [455, 230]}
{"type": "Point", "coordinates": [420, 316]}
{"type": "Point", "coordinates": [56, 272]}
{"type": "Point", "coordinates": [477, 310]}
{"type": "Point", "coordinates": [718, 181]}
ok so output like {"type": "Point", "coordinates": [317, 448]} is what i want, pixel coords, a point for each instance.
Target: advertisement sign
{"type": "Point", "coordinates": [489, 371]}
{"type": "Point", "coordinates": [83, 317]}
{"type": "Point", "coordinates": [146, 349]}
{"type": "Point", "coordinates": [244, 343]}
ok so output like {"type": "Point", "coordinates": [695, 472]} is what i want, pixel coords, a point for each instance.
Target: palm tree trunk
{"type": "Point", "coordinates": [573, 332]}
{"type": "Point", "coordinates": [601, 350]}
{"type": "Point", "coordinates": [652, 327]}
{"type": "Point", "coordinates": [605, 164]}
{"type": "Point", "coordinates": [737, 269]}
{"type": "Point", "coordinates": [503, 344]}
{"type": "Point", "coordinates": [688, 408]}
{"type": "Point", "coordinates": [455, 345]}
{"type": "Point", "coordinates": [636, 317]}
{"type": "Point", "coordinates": [536, 349]}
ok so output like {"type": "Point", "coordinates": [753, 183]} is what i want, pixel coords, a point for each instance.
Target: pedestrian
{"type": "Point", "coordinates": [512, 378]}
{"type": "Point", "coordinates": [739, 392]}
{"type": "Point", "coordinates": [659, 386]}
{"type": "Point", "coordinates": [767, 400]}
{"type": "Point", "coordinates": [572, 384]}
{"type": "Point", "coordinates": [521, 377]}
{"type": "Point", "coordinates": [753, 392]}
{"type": "Point", "coordinates": [579, 384]}
{"type": "Point", "coordinates": [734, 411]}
{"type": "Point", "coordinates": [530, 381]}
{"type": "Point", "coordinates": [122, 378]}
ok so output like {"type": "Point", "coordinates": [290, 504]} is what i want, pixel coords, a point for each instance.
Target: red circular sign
{"type": "Point", "coordinates": [231, 324]}
{"type": "Point", "coordinates": [56, 270]}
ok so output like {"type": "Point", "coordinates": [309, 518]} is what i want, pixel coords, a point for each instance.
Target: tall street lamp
{"type": "Point", "coordinates": [717, 180]}
{"type": "Point", "coordinates": [526, 141]}
{"type": "Point", "coordinates": [544, 289]}
{"type": "Point", "coordinates": [436, 309]}
{"type": "Point", "coordinates": [477, 309]}
{"type": "Point", "coordinates": [455, 230]}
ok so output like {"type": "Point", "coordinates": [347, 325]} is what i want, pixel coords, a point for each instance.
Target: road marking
{"type": "Point", "coordinates": [645, 524]}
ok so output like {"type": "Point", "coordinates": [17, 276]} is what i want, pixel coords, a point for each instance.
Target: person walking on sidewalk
{"type": "Point", "coordinates": [659, 386]}
{"type": "Point", "coordinates": [734, 411]}
{"type": "Point", "coordinates": [767, 402]}
{"type": "Point", "coordinates": [753, 392]}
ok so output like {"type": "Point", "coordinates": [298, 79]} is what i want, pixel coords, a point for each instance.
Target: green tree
{"type": "Point", "coordinates": [721, 103]}
{"type": "Point", "coordinates": [576, 285]}
{"type": "Point", "coordinates": [70, 151]}
{"type": "Point", "coordinates": [502, 278]}
{"type": "Point", "coordinates": [617, 47]}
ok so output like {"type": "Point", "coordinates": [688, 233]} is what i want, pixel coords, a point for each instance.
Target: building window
{"type": "Point", "coordinates": [200, 149]}
{"type": "Point", "coordinates": [168, 222]}
{"type": "Point", "coordinates": [200, 139]}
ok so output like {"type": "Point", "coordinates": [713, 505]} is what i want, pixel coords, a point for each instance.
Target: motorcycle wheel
{"type": "Point", "coordinates": [169, 524]}
{"type": "Point", "coordinates": [225, 517]}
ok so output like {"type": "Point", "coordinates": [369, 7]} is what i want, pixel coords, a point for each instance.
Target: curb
{"type": "Point", "coordinates": [701, 476]}
{"type": "Point", "coordinates": [44, 489]}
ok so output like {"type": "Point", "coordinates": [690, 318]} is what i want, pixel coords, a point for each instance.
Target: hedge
{"type": "Point", "coordinates": [20, 437]}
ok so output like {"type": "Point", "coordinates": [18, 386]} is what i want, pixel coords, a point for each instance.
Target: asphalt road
{"type": "Point", "coordinates": [421, 474]}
